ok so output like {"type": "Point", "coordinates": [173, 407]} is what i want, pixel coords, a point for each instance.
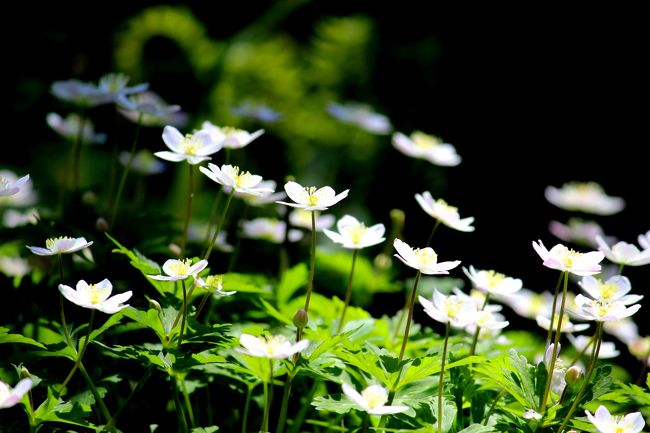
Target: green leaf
{"type": "Point", "coordinates": [6, 337]}
{"type": "Point", "coordinates": [448, 414]}
{"type": "Point", "coordinates": [54, 409]}
{"type": "Point", "coordinates": [423, 367]}
{"type": "Point", "coordinates": [513, 373]}
{"type": "Point", "coordinates": [337, 403]}
{"type": "Point", "coordinates": [292, 280]}
{"type": "Point", "coordinates": [273, 312]}
{"type": "Point", "coordinates": [477, 428]}
{"type": "Point", "coordinates": [148, 319]}
{"type": "Point", "coordinates": [210, 429]}
{"type": "Point", "coordinates": [113, 320]}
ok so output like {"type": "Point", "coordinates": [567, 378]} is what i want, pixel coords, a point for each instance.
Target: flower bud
{"type": "Point", "coordinates": [573, 375]}
{"type": "Point", "coordinates": [24, 373]}
{"type": "Point", "coordinates": [174, 249]}
{"type": "Point", "coordinates": [383, 262]}
{"type": "Point", "coordinates": [101, 224]}
{"type": "Point", "coordinates": [300, 319]}
{"type": "Point", "coordinates": [154, 304]}
{"type": "Point", "coordinates": [397, 217]}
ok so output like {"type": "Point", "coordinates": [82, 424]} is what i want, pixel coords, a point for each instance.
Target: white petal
{"type": "Point", "coordinates": [170, 156]}
{"type": "Point", "coordinates": [296, 193]}
{"type": "Point", "coordinates": [172, 138]}
{"type": "Point", "coordinates": [355, 396]}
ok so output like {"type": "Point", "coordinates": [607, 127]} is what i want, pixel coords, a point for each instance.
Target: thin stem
{"type": "Point", "coordinates": [183, 314]}
{"type": "Point", "coordinates": [267, 408]}
{"type": "Point", "coordinates": [435, 227]}
{"type": "Point", "coordinates": [235, 252]}
{"type": "Point", "coordinates": [219, 226]}
{"type": "Point", "coordinates": [179, 407]}
{"type": "Point", "coordinates": [590, 370]}
{"type": "Point", "coordinates": [213, 216]}
{"type": "Point", "coordinates": [64, 324]}
{"type": "Point", "coordinates": [111, 423]}
{"type": "Point", "coordinates": [550, 328]}
{"type": "Point", "coordinates": [558, 332]}
{"type": "Point", "coordinates": [312, 262]}
{"type": "Point", "coordinates": [366, 422]}
{"type": "Point", "coordinates": [247, 405]}
{"type": "Point", "coordinates": [584, 349]}
{"type": "Point", "coordinates": [93, 389]}
{"type": "Point", "coordinates": [493, 405]}
{"type": "Point", "coordinates": [188, 210]}
{"type": "Point", "coordinates": [183, 309]}
{"type": "Point", "coordinates": [299, 417]}
{"type": "Point", "coordinates": [120, 189]}
{"type": "Point", "coordinates": [348, 291]}
{"type": "Point", "coordinates": [478, 328]}
{"type": "Point", "coordinates": [188, 404]}
{"type": "Point", "coordinates": [398, 325]}
{"type": "Point", "coordinates": [76, 150]}
{"type": "Point", "coordinates": [620, 268]}
{"type": "Point", "coordinates": [442, 377]}
{"type": "Point", "coordinates": [282, 419]}
{"type": "Point", "coordinates": [410, 316]}
{"type": "Point", "coordinates": [81, 353]}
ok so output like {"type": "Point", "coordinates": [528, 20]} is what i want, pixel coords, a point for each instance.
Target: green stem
{"type": "Point", "coordinates": [558, 332]}
{"type": "Point", "coordinates": [80, 355]}
{"type": "Point", "coordinates": [442, 377]}
{"type": "Point", "coordinates": [120, 189]}
{"type": "Point", "coordinates": [435, 227]}
{"type": "Point", "coordinates": [348, 291]}
{"type": "Point", "coordinates": [549, 334]}
{"type": "Point", "coordinates": [76, 150]}
{"type": "Point", "coordinates": [366, 422]}
{"type": "Point", "coordinates": [478, 328]}
{"type": "Point", "coordinates": [410, 316]}
{"type": "Point", "coordinates": [282, 419]}
{"type": "Point", "coordinates": [247, 405]}
{"type": "Point", "coordinates": [182, 314]}
{"type": "Point", "coordinates": [178, 406]}
{"type": "Point", "coordinates": [188, 210]}
{"type": "Point", "coordinates": [235, 252]}
{"type": "Point", "coordinates": [493, 405]}
{"type": "Point", "coordinates": [312, 262]}
{"type": "Point", "coordinates": [219, 226]}
{"type": "Point", "coordinates": [620, 268]}
{"type": "Point", "coordinates": [213, 216]}
{"type": "Point", "coordinates": [188, 404]}
{"type": "Point", "coordinates": [299, 417]}
{"type": "Point", "coordinates": [111, 423]}
{"type": "Point", "coordinates": [98, 398]}
{"type": "Point", "coordinates": [590, 370]}
{"type": "Point", "coordinates": [267, 400]}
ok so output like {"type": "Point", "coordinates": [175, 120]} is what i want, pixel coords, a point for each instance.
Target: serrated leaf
{"type": "Point", "coordinates": [273, 312]}
{"type": "Point", "coordinates": [210, 429]}
{"type": "Point", "coordinates": [337, 403]}
{"type": "Point", "coordinates": [113, 320]}
{"type": "Point", "coordinates": [477, 428]}
{"type": "Point", "coordinates": [426, 366]}
{"type": "Point", "coordinates": [6, 337]}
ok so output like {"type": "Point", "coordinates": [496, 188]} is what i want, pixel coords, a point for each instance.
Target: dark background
{"type": "Point", "coordinates": [530, 96]}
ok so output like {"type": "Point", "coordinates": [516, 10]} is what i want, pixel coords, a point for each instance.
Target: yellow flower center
{"type": "Point", "coordinates": [374, 397]}
{"type": "Point", "coordinates": [608, 290]}
{"type": "Point", "coordinates": [215, 281]}
{"type": "Point", "coordinates": [569, 255]}
{"type": "Point", "coordinates": [51, 242]}
{"type": "Point", "coordinates": [493, 278]}
{"type": "Point", "coordinates": [190, 144]}
{"type": "Point", "coordinates": [425, 141]}
{"type": "Point", "coordinates": [356, 233]}
{"type": "Point", "coordinates": [425, 255]}
{"type": "Point", "coordinates": [440, 203]}
{"type": "Point", "coordinates": [240, 178]}
{"type": "Point", "coordinates": [229, 130]}
{"type": "Point", "coordinates": [451, 308]}
{"type": "Point", "coordinates": [312, 200]}
{"type": "Point", "coordinates": [4, 182]}
{"type": "Point", "coordinates": [96, 294]}
{"type": "Point", "coordinates": [180, 267]}
{"type": "Point", "coordinates": [274, 344]}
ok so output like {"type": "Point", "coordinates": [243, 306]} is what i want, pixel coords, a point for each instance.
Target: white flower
{"type": "Point", "coordinates": [14, 218]}
{"type": "Point", "coordinates": [24, 196]}
{"type": "Point", "coordinates": [588, 197]}
{"type": "Point", "coordinates": [354, 234]}
{"type": "Point", "coordinates": [424, 260]}
{"type": "Point", "coordinates": [448, 215]}
{"type": "Point", "coordinates": [259, 112]}
{"type": "Point", "coordinates": [373, 400]}
{"type": "Point", "coordinates": [567, 326]}
{"type": "Point", "coordinates": [623, 253]}
{"type": "Point", "coordinates": [231, 177]}
{"type": "Point", "coordinates": [198, 232]}
{"type": "Point", "coordinates": [607, 348]}
{"type": "Point", "coordinates": [302, 218]}
{"type": "Point", "coordinates": [606, 423]}
{"type": "Point", "coordinates": [272, 230]}
{"type": "Point", "coordinates": [312, 198]}
{"type": "Point", "coordinates": [10, 186]}
{"type": "Point", "coordinates": [490, 320]}
{"type": "Point", "coordinates": [531, 414]}
{"type": "Point", "coordinates": [229, 137]}
{"type": "Point", "coordinates": [14, 266]}
{"type": "Point", "coordinates": [428, 147]}
{"type": "Point", "coordinates": [61, 245]}
{"type": "Point", "coordinates": [626, 330]}
{"type": "Point", "coordinates": [79, 93]}
{"type": "Point", "coordinates": [143, 162]}
{"type": "Point", "coordinates": [527, 303]}
{"type": "Point", "coordinates": [154, 110]}
{"type": "Point", "coordinates": [180, 269]}
{"type": "Point", "coordinates": [193, 148]}
{"type": "Point", "coordinates": [10, 396]}
{"type": "Point", "coordinates": [493, 282]}
{"type": "Point", "coordinates": [562, 258]}
{"type": "Point", "coordinates": [96, 296]}
{"type": "Point", "coordinates": [213, 283]}
{"type": "Point", "coordinates": [449, 309]}
{"type": "Point", "coordinates": [266, 198]}
{"type": "Point", "coordinates": [68, 128]}
{"type": "Point", "coordinates": [602, 310]}
{"type": "Point", "coordinates": [114, 85]}
{"type": "Point", "coordinates": [577, 231]}
{"type": "Point", "coordinates": [273, 347]}
{"type": "Point", "coordinates": [644, 240]}
{"type": "Point", "coordinates": [614, 289]}
{"type": "Point", "coordinates": [360, 115]}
